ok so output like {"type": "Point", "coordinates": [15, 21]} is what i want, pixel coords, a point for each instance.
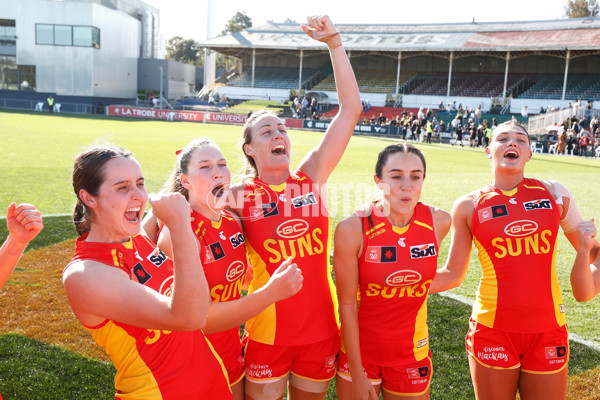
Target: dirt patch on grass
{"type": "Point", "coordinates": [33, 302]}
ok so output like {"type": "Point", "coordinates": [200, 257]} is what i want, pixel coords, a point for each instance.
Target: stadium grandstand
{"type": "Point", "coordinates": [499, 66]}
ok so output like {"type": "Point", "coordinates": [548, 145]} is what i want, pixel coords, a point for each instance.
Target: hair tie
{"type": "Point", "coordinates": [178, 151]}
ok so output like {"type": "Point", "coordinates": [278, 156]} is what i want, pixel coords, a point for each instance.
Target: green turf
{"type": "Point", "coordinates": [30, 369]}
{"type": "Point", "coordinates": [39, 151]}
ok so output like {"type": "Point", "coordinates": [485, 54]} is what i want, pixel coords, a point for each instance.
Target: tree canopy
{"type": "Point", "coordinates": [581, 9]}
{"type": "Point", "coordinates": [239, 22]}
{"type": "Point", "coordinates": [183, 50]}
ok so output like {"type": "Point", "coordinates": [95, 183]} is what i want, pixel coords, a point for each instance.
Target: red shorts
{"type": "Point", "coordinates": [401, 380]}
{"type": "Point", "coordinates": [539, 353]}
{"type": "Point", "coordinates": [269, 363]}
{"type": "Point", "coordinates": [235, 366]}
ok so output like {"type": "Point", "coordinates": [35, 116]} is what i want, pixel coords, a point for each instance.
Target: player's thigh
{"type": "Point", "coordinates": [493, 383]}
{"type": "Point", "coordinates": [544, 386]}
{"type": "Point", "coordinates": [272, 390]}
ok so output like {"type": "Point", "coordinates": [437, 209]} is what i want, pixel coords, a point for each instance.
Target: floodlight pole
{"type": "Point", "coordinates": [161, 86]}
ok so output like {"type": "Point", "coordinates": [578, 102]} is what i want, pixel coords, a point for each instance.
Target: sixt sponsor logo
{"type": "Point", "coordinates": [539, 204]}
{"type": "Point", "coordinates": [304, 200]}
{"type": "Point", "coordinates": [422, 251]}
{"type": "Point", "coordinates": [292, 229]}
{"type": "Point", "coordinates": [403, 278]}
{"type": "Point", "coordinates": [236, 240]}
{"type": "Point", "coordinates": [521, 228]}
{"type": "Point", "coordinates": [157, 257]}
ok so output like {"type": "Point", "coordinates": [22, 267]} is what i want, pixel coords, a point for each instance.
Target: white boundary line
{"type": "Point", "coordinates": [575, 338]}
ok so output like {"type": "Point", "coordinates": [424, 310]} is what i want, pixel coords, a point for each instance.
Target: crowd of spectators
{"type": "Point", "coordinates": [578, 136]}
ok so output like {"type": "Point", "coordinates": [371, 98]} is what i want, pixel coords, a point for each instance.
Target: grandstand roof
{"type": "Point", "coordinates": [573, 34]}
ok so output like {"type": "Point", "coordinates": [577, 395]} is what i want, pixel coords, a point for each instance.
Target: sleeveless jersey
{"type": "Point", "coordinates": [515, 234]}
{"type": "Point", "coordinates": [224, 261]}
{"type": "Point", "coordinates": [152, 364]}
{"type": "Point", "coordinates": [396, 268]}
{"type": "Point", "coordinates": [290, 220]}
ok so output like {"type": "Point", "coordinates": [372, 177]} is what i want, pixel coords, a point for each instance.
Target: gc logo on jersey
{"type": "Point", "coordinates": [538, 204]}
{"type": "Point", "coordinates": [292, 228]}
{"type": "Point", "coordinates": [236, 239]}
{"type": "Point", "coordinates": [422, 251]}
{"type": "Point", "coordinates": [521, 228]}
{"type": "Point", "coordinates": [403, 278]}
{"type": "Point", "coordinates": [235, 271]}
{"type": "Point", "coordinates": [304, 200]}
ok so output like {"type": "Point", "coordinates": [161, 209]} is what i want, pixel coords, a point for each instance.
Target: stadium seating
{"type": "Point", "coordinates": [275, 78]}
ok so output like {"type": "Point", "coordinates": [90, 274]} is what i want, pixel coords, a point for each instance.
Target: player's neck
{"type": "Point", "coordinates": [507, 182]}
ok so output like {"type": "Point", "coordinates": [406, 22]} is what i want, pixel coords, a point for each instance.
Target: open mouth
{"type": "Point", "coordinates": [278, 150]}
{"type": "Point", "coordinates": [218, 190]}
{"type": "Point", "coordinates": [511, 154]}
{"type": "Point", "coordinates": [133, 214]}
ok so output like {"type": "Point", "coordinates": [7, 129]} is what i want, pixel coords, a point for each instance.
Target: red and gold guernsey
{"type": "Point", "coordinates": [153, 364]}
{"type": "Point", "coordinates": [396, 268]}
{"type": "Point", "coordinates": [515, 234]}
{"type": "Point", "coordinates": [290, 220]}
{"type": "Point", "coordinates": [224, 261]}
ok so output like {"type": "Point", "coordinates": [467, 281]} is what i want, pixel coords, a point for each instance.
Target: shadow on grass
{"type": "Point", "coordinates": [30, 369]}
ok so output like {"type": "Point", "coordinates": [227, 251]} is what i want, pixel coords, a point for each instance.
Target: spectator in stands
{"type": "Point", "coordinates": [583, 143]}
{"type": "Point", "coordinates": [314, 105]}
{"type": "Point", "coordinates": [453, 106]}
{"type": "Point", "coordinates": [305, 107]}
{"type": "Point", "coordinates": [24, 222]}
{"type": "Point", "coordinates": [368, 105]}
{"type": "Point", "coordinates": [421, 113]}
{"type": "Point", "coordinates": [594, 124]}
{"type": "Point", "coordinates": [381, 119]}
{"type": "Point", "coordinates": [297, 341]}
{"type": "Point", "coordinates": [472, 134]}
{"type": "Point", "coordinates": [366, 121]}
{"type": "Point", "coordinates": [524, 112]}
{"type": "Point", "coordinates": [478, 115]}
{"type": "Point", "coordinates": [441, 106]}
{"type": "Point", "coordinates": [562, 142]}
{"type": "Point", "coordinates": [459, 135]}
{"type": "Point", "coordinates": [429, 113]}
{"type": "Point", "coordinates": [571, 141]}
{"type": "Point", "coordinates": [294, 108]}
{"type": "Point", "coordinates": [429, 128]}
{"type": "Point", "coordinates": [211, 99]}
{"type": "Point", "coordinates": [480, 134]}
{"type": "Point", "coordinates": [373, 120]}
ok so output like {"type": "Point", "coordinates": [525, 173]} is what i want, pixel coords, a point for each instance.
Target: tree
{"type": "Point", "coordinates": [183, 50]}
{"type": "Point", "coordinates": [581, 9]}
{"type": "Point", "coordinates": [239, 22]}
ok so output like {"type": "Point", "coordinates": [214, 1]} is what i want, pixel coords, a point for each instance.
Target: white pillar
{"type": "Point", "coordinates": [253, 65]}
{"type": "Point", "coordinates": [568, 58]}
{"type": "Point", "coordinates": [450, 73]}
{"type": "Point", "coordinates": [398, 72]}
{"type": "Point", "coordinates": [506, 74]}
{"type": "Point", "coordinates": [300, 73]}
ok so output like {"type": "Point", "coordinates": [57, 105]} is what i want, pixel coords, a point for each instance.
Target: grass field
{"type": "Point", "coordinates": [44, 353]}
